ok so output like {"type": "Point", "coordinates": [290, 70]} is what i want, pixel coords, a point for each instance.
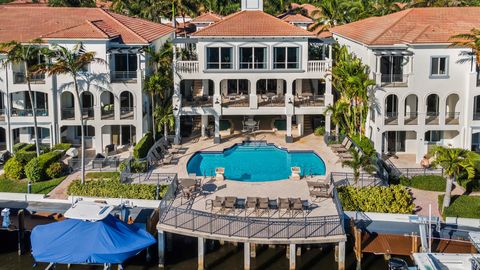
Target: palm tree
{"type": "Point", "coordinates": [72, 62]}
{"type": "Point", "coordinates": [26, 55]}
{"type": "Point", "coordinates": [329, 14]}
{"type": "Point", "coordinates": [453, 161]}
{"type": "Point", "coordinates": [359, 162]}
{"type": "Point", "coordinates": [337, 115]}
{"type": "Point", "coordinates": [165, 118]}
{"type": "Point", "coordinates": [470, 41]}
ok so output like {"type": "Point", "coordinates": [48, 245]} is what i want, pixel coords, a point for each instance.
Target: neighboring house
{"type": "Point", "coordinates": [251, 65]}
{"type": "Point", "coordinates": [115, 105]}
{"type": "Point", "coordinates": [425, 94]}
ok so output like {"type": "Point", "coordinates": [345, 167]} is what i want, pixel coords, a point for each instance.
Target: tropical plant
{"type": "Point", "coordinates": [470, 41]}
{"type": "Point", "coordinates": [72, 62]}
{"type": "Point", "coordinates": [165, 118]}
{"type": "Point", "coordinates": [359, 162]}
{"type": "Point", "coordinates": [71, 3]}
{"type": "Point", "coordinates": [329, 14]}
{"type": "Point", "coordinates": [28, 56]}
{"type": "Point", "coordinates": [454, 161]}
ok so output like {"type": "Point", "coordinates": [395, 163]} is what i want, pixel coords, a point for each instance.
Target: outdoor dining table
{"type": "Point", "coordinates": [250, 123]}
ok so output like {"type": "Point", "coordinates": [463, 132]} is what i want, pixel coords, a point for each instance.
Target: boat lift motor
{"type": "Point", "coordinates": [6, 218]}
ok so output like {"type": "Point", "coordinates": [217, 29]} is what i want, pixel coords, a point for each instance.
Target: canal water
{"type": "Point", "coordinates": [182, 255]}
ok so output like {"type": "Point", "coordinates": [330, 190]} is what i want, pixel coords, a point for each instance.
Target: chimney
{"type": "Point", "coordinates": [252, 5]}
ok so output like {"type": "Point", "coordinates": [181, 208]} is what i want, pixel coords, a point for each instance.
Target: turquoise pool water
{"type": "Point", "coordinates": [256, 162]}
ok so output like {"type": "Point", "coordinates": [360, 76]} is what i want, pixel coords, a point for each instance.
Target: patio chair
{"type": "Point", "coordinates": [283, 204]}
{"type": "Point", "coordinates": [296, 206]}
{"type": "Point", "coordinates": [344, 149]}
{"type": "Point", "coordinates": [263, 206]}
{"type": "Point", "coordinates": [340, 145]}
{"type": "Point", "coordinates": [251, 203]}
{"type": "Point", "coordinates": [217, 203]}
{"type": "Point", "coordinates": [230, 203]}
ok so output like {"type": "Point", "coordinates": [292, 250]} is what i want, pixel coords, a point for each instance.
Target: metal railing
{"type": "Point", "coordinates": [310, 101]}
{"type": "Point", "coordinates": [410, 172]}
{"type": "Point", "coordinates": [274, 101]}
{"type": "Point", "coordinates": [29, 112]}
{"type": "Point", "coordinates": [127, 112]}
{"type": "Point", "coordinates": [20, 78]}
{"type": "Point", "coordinates": [253, 65]}
{"type": "Point", "coordinates": [318, 66]}
{"type": "Point", "coordinates": [188, 66]}
{"type": "Point", "coordinates": [394, 80]}
{"type": "Point", "coordinates": [364, 180]}
{"type": "Point", "coordinates": [124, 76]}
{"type": "Point", "coordinates": [432, 118]}
{"type": "Point", "coordinates": [68, 113]}
{"type": "Point", "coordinates": [411, 118]}
{"type": "Point", "coordinates": [452, 118]}
{"type": "Point", "coordinates": [202, 101]}
{"type": "Point", "coordinates": [88, 113]}
{"type": "Point", "coordinates": [391, 118]}
{"type": "Point", "coordinates": [238, 101]}
{"type": "Point", "coordinates": [108, 164]}
{"type": "Point", "coordinates": [108, 113]}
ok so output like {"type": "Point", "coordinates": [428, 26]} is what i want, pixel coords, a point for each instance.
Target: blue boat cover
{"type": "Point", "coordinates": [82, 242]}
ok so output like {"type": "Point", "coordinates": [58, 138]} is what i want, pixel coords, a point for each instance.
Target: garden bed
{"type": "Point", "coordinates": [20, 186]}
{"type": "Point", "coordinates": [462, 206]}
{"type": "Point", "coordinates": [425, 182]}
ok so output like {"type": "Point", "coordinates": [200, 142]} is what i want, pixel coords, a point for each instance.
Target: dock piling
{"type": "Point", "coordinates": [246, 255]}
{"type": "Point", "coordinates": [201, 253]}
{"type": "Point", "coordinates": [161, 249]}
{"type": "Point", "coordinates": [21, 231]}
{"type": "Point", "coordinates": [341, 255]}
{"type": "Point", "coordinates": [292, 257]}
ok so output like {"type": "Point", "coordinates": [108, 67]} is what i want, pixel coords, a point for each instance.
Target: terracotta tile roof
{"type": "Point", "coordinates": [309, 8]}
{"type": "Point", "coordinates": [24, 23]}
{"type": "Point", "coordinates": [412, 26]}
{"type": "Point", "coordinates": [296, 18]}
{"type": "Point", "coordinates": [208, 17]}
{"type": "Point", "coordinates": [252, 23]}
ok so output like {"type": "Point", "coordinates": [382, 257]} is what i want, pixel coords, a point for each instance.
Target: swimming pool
{"type": "Point", "coordinates": [255, 162]}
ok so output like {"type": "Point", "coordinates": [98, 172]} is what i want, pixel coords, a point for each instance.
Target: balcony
{"type": "Point", "coordinates": [411, 118]}
{"type": "Point", "coordinates": [68, 114]}
{"type": "Point", "coordinates": [452, 118]}
{"type": "Point", "coordinates": [309, 100]}
{"type": "Point", "coordinates": [202, 101]}
{"type": "Point", "coordinates": [432, 118]}
{"type": "Point", "coordinates": [391, 118]}
{"type": "Point", "coordinates": [271, 100]}
{"type": "Point", "coordinates": [318, 66]}
{"type": "Point", "coordinates": [88, 113]}
{"type": "Point", "coordinates": [234, 100]}
{"type": "Point", "coordinates": [29, 112]}
{"type": "Point", "coordinates": [394, 80]}
{"type": "Point", "coordinates": [123, 76]}
{"type": "Point", "coordinates": [20, 78]}
{"type": "Point", "coordinates": [126, 112]}
{"type": "Point", "coordinates": [188, 67]}
{"type": "Point", "coordinates": [108, 112]}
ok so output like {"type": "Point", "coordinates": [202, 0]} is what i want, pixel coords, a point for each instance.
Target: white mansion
{"type": "Point", "coordinates": [113, 100]}
{"type": "Point", "coordinates": [425, 94]}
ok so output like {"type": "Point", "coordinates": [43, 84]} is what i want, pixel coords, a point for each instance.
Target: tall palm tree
{"type": "Point", "coordinates": [470, 41]}
{"type": "Point", "coordinates": [165, 118]}
{"type": "Point", "coordinates": [359, 162]}
{"type": "Point", "coordinates": [329, 14]}
{"type": "Point", "coordinates": [71, 62]}
{"type": "Point", "coordinates": [453, 161]}
{"type": "Point", "coordinates": [26, 55]}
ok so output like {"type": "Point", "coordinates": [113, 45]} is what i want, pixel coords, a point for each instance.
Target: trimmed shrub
{"type": "Point", "coordinates": [56, 169]}
{"type": "Point", "coordinates": [62, 146]}
{"type": "Point", "coordinates": [29, 147]}
{"type": "Point", "coordinates": [17, 147]}
{"type": "Point", "coordinates": [425, 182]}
{"type": "Point", "coordinates": [391, 199]}
{"type": "Point", "coordinates": [36, 169]}
{"type": "Point", "coordinates": [25, 156]}
{"type": "Point", "coordinates": [139, 166]}
{"type": "Point", "coordinates": [319, 131]}
{"type": "Point", "coordinates": [141, 149]}
{"type": "Point", "coordinates": [122, 166]}
{"type": "Point", "coordinates": [14, 169]}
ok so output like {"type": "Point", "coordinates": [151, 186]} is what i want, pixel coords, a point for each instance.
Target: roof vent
{"type": "Point", "coordinates": [252, 5]}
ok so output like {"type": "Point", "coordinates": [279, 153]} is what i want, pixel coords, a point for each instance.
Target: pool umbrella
{"type": "Point", "coordinates": [73, 241]}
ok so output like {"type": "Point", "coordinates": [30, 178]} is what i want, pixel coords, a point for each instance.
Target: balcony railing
{"type": "Point", "coordinates": [29, 112]}
{"type": "Point", "coordinates": [88, 113]}
{"type": "Point", "coordinates": [68, 113]}
{"type": "Point", "coordinates": [309, 100]}
{"type": "Point", "coordinates": [411, 118]}
{"type": "Point", "coordinates": [318, 66]}
{"type": "Point", "coordinates": [391, 118]}
{"type": "Point", "coordinates": [235, 101]}
{"type": "Point", "coordinates": [123, 76]}
{"type": "Point", "coordinates": [188, 67]}
{"type": "Point", "coordinates": [20, 78]}
{"type": "Point", "coordinates": [394, 80]}
{"type": "Point", "coordinates": [452, 118]}
{"type": "Point", "coordinates": [253, 65]}
{"type": "Point", "coordinates": [432, 118]}
{"type": "Point", "coordinates": [271, 100]}
{"type": "Point", "coordinates": [202, 101]}
{"type": "Point", "coordinates": [108, 112]}
{"type": "Point", "coordinates": [126, 112]}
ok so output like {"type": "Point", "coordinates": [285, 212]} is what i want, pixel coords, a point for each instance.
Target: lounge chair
{"type": "Point", "coordinates": [263, 205]}
{"type": "Point", "coordinates": [218, 203]}
{"type": "Point", "coordinates": [283, 204]}
{"type": "Point", "coordinates": [340, 145]}
{"type": "Point", "coordinates": [230, 203]}
{"type": "Point", "coordinates": [251, 203]}
{"type": "Point", "coordinates": [343, 149]}
{"type": "Point", "coordinates": [296, 206]}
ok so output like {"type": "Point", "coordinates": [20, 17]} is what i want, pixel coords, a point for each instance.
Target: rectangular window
{"type": "Point", "coordinates": [433, 136]}
{"type": "Point", "coordinates": [286, 58]}
{"type": "Point", "coordinates": [439, 66]}
{"type": "Point", "coordinates": [253, 58]}
{"type": "Point", "coordinates": [219, 58]}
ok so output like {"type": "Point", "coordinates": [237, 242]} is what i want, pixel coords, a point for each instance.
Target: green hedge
{"type": "Point", "coordinates": [141, 149]}
{"type": "Point", "coordinates": [56, 169]}
{"type": "Point", "coordinates": [463, 206]}
{"type": "Point", "coordinates": [391, 199]}
{"type": "Point", "coordinates": [102, 175]}
{"type": "Point", "coordinates": [425, 182]}
{"type": "Point", "coordinates": [139, 166]}
{"type": "Point", "coordinates": [18, 146]}
{"type": "Point", "coordinates": [364, 143]}
{"type": "Point", "coordinates": [113, 188]}
{"type": "Point", "coordinates": [25, 156]}
{"type": "Point", "coordinates": [62, 146]}
{"type": "Point", "coordinates": [319, 131]}
{"type": "Point", "coordinates": [14, 169]}
{"type": "Point", "coordinates": [36, 169]}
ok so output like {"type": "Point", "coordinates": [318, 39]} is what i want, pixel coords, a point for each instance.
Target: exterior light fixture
{"type": "Point", "coordinates": [217, 101]}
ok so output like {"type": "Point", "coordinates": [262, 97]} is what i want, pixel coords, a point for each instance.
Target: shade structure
{"type": "Point", "coordinates": [82, 242]}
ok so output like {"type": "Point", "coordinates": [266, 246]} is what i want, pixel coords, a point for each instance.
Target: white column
{"type": "Point", "coordinates": [246, 256]}
{"type": "Point", "coordinates": [205, 87]}
{"type": "Point", "coordinates": [292, 256]}
{"type": "Point", "coordinates": [328, 122]}
{"type": "Point", "coordinates": [161, 249]}
{"type": "Point", "coordinates": [201, 253]}
{"type": "Point", "coordinates": [341, 256]}
{"type": "Point", "coordinates": [217, 138]}
{"type": "Point", "coordinates": [253, 95]}
{"type": "Point", "coordinates": [204, 125]}
{"type": "Point", "coordinates": [288, 137]}
{"type": "Point", "coordinates": [177, 139]}
{"type": "Point", "coordinates": [300, 121]}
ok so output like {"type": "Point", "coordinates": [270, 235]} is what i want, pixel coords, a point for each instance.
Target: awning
{"type": "Point", "coordinates": [83, 242]}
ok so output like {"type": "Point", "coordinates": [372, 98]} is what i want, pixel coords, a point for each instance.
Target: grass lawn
{"type": "Point", "coordinates": [461, 206]}
{"type": "Point", "coordinates": [427, 182]}
{"type": "Point", "coordinates": [102, 175]}
{"type": "Point", "coordinates": [20, 186]}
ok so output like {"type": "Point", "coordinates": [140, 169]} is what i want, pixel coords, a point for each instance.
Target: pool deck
{"type": "Point", "coordinates": [309, 142]}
